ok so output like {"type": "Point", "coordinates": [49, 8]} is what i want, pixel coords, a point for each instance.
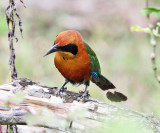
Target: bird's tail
{"type": "Point", "coordinates": [105, 84]}
{"type": "Point", "coordinates": [102, 81]}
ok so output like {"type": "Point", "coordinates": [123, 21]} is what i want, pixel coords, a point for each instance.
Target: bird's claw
{"type": "Point", "coordinates": [83, 96]}
{"type": "Point", "coordinates": [61, 90]}
{"type": "Point", "coordinates": [58, 93]}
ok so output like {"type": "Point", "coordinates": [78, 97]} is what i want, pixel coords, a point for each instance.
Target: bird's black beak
{"type": "Point", "coordinates": [54, 48]}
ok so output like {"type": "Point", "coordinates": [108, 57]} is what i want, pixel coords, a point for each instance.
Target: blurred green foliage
{"type": "Point", "coordinates": [140, 29]}
{"type": "Point", "coordinates": [18, 97]}
{"type": "Point", "coordinates": [3, 24]}
{"type": "Point", "coordinates": [124, 56]}
{"type": "Point", "coordinates": [149, 11]}
{"type": "Point", "coordinates": [124, 126]}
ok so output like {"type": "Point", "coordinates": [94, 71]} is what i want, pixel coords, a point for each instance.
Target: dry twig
{"type": "Point", "coordinates": [11, 13]}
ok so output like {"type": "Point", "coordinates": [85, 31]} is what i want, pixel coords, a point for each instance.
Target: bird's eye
{"type": "Point", "coordinates": [57, 35]}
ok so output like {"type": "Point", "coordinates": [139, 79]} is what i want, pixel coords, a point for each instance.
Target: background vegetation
{"type": "Point", "coordinates": [105, 25]}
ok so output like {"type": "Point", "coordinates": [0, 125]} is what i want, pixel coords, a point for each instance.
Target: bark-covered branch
{"type": "Point", "coordinates": [65, 114]}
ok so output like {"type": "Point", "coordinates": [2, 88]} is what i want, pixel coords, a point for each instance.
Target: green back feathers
{"type": "Point", "coordinates": [94, 63]}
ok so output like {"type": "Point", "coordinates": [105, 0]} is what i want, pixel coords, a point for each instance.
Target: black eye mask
{"type": "Point", "coordinates": [72, 48]}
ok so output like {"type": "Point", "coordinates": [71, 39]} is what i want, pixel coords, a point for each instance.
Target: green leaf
{"type": "Point", "coordinates": [148, 11]}
{"type": "Point", "coordinates": [140, 29]}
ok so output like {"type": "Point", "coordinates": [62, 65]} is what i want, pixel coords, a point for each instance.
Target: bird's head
{"type": "Point", "coordinates": [67, 42]}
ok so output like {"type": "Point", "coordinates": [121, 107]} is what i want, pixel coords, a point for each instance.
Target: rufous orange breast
{"type": "Point", "coordinates": [74, 68]}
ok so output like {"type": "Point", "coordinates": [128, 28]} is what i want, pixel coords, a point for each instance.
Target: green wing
{"type": "Point", "coordinates": [94, 64]}
{"type": "Point", "coordinates": [96, 76]}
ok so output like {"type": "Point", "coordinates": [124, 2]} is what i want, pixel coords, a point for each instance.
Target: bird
{"type": "Point", "coordinates": [78, 64]}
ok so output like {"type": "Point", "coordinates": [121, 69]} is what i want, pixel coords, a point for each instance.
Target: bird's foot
{"type": "Point", "coordinates": [83, 96]}
{"type": "Point", "coordinates": [61, 90]}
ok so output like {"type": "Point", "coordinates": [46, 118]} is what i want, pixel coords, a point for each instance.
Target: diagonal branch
{"type": "Point", "coordinates": [65, 114]}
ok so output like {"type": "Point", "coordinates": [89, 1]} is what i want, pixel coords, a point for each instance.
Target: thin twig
{"type": "Point", "coordinates": [11, 13]}
{"type": "Point", "coordinates": [153, 43]}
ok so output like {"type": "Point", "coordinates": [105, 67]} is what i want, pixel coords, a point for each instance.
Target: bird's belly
{"type": "Point", "coordinates": [73, 70]}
